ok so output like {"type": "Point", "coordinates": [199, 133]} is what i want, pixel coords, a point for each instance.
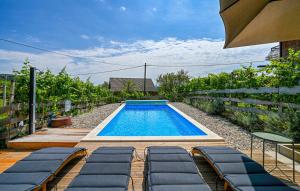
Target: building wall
{"type": "Point", "coordinates": [294, 44]}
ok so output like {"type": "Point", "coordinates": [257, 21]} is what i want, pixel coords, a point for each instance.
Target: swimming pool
{"type": "Point", "coordinates": [149, 120]}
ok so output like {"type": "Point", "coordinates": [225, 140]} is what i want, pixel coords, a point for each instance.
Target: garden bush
{"type": "Point", "coordinates": [250, 121]}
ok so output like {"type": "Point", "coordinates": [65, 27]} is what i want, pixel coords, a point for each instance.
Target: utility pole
{"type": "Point", "coordinates": [145, 70]}
{"type": "Point", "coordinates": [32, 100]}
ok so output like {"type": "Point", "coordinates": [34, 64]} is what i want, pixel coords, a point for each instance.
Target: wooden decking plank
{"type": "Point", "coordinates": [50, 137]}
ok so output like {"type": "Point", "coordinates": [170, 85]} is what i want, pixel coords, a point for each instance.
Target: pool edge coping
{"type": "Point", "coordinates": [93, 135]}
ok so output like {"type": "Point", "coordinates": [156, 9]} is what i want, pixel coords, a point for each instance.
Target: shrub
{"type": "Point", "coordinates": [212, 107]}
{"type": "Point", "coordinates": [276, 123]}
{"type": "Point", "coordinates": [218, 106]}
{"type": "Point", "coordinates": [247, 120]}
{"type": "Point", "coordinates": [294, 129]}
{"type": "Point", "coordinates": [171, 85]}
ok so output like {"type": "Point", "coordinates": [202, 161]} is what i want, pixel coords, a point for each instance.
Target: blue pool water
{"type": "Point", "coordinates": [149, 120]}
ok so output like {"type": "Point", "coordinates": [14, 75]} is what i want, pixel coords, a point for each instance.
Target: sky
{"type": "Point", "coordinates": [106, 35]}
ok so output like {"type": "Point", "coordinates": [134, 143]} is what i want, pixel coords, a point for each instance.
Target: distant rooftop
{"type": "Point", "coordinates": [117, 84]}
{"type": "Point", "coordinates": [6, 76]}
{"type": "Point", "coordinates": [274, 53]}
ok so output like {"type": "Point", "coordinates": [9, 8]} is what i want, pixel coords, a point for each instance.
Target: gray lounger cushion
{"type": "Point", "coordinates": [217, 150]}
{"type": "Point", "coordinates": [107, 169]}
{"type": "Point", "coordinates": [114, 150]}
{"type": "Point", "coordinates": [266, 188]}
{"type": "Point", "coordinates": [59, 150]}
{"type": "Point", "coordinates": [32, 171]}
{"type": "Point", "coordinates": [229, 158]}
{"type": "Point", "coordinates": [99, 158]}
{"type": "Point", "coordinates": [22, 181]}
{"type": "Point", "coordinates": [35, 166]}
{"type": "Point", "coordinates": [17, 187]}
{"type": "Point", "coordinates": [166, 150]}
{"type": "Point", "coordinates": [253, 180]}
{"type": "Point", "coordinates": [24, 178]}
{"type": "Point", "coordinates": [194, 187]}
{"type": "Point", "coordinates": [96, 189]}
{"type": "Point", "coordinates": [172, 168]}
{"type": "Point", "coordinates": [100, 181]}
{"type": "Point", "coordinates": [170, 157]}
{"type": "Point", "coordinates": [239, 168]}
{"type": "Point", "coordinates": [175, 179]}
{"type": "Point", "coordinates": [46, 157]}
{"type": "Point", "coordinates": [169, 167]}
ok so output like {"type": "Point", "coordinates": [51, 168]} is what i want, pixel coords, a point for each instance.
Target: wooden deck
{"type": "Point", "coordinates": [9, 157]}
{"type": "Point", "coordinates": [50, 137]}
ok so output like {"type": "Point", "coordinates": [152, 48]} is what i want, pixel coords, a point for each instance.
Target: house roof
{"type": "Point", "coordinates": [117, 84]}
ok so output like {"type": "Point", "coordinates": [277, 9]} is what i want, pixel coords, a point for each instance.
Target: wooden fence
{"type": "Point", "coordinates": [262, 90]}
{"type": "Point", "coordinates": [14, 118]}
{"type": "Point", "coordinates": [252, 105]}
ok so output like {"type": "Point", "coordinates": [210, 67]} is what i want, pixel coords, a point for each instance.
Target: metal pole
{"type": "Point", "coordinates": [251, 146]}
{"type": "Point", "coordinates": [145, 70]}
{"type": "Point", "coordinates": [32, 101]}
{"type": "Point", "coordinates": [263, 153]}
{"type": "Point", "coordinates": [276, 145]}
{"type": "Point", "coordinates": [293, 162]}
{"type": "Point", "coordinates": [4, 90]}
{"type": "Point", "coordinates": [280, 49]}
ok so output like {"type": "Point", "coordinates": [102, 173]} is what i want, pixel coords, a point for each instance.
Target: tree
{"type": "Point", "coordinates": [57, 87]}
{"type": "Point", "coordinates": [172, 85]}
{"type": "Point", "coordinates": [129, 86]}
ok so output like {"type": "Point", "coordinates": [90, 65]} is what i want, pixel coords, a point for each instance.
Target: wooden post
{"type": "Point", "coordinates": [32, 101]}
{"type": "Point", "coordinates": [280, 49]}
{"type": "Point", "coordinates": [12, 91]}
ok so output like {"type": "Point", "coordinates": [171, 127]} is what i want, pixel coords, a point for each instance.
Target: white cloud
{"type": "Point", "coordinates": [170, 51]}
{"type": "Point", "coordinates": [154, 9]}
{"type": "Point", "coordinates": [33, 39]}
{"type": "Point", "coordinates": [122, 8]}
{"type": "Point", "coordinates": [85, 37]}
{"type": "Point", "coordinates": [99, 38]}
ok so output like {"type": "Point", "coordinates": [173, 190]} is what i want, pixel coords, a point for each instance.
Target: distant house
{"type": "Point", "coordinates": [118, 84]}
{"type": "Point", "coordinates": [282, 50]}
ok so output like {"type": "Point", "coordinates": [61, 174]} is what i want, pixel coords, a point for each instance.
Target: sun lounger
{"type": "Point", "coordinates": [172, 168]}
{"type": "Point", "coordinates": [240, 172]}
{"type": "Point", "coordinates": [107, 169]}
{"type": "Point", "coordinates": [36, 170]}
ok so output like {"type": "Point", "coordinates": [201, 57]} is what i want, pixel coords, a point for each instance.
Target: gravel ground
{"type": "Point", "coordinates": [94, 117]}
{"type": "Point", "coordinates": [234, 135]}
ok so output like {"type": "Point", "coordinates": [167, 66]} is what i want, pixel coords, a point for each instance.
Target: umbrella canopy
{"type": "Point", "coordinates": [250, 22]}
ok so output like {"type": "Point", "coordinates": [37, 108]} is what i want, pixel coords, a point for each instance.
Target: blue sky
{"type": "Point", "coordinates": [85, 23]}
{"type": "Point", "coordinates": [114, 31]}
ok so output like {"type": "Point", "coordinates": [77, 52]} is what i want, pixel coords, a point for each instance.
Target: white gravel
{"type": "Point", "coordinates": [95, 117]}
{"type": "Point", "coordinates": [233, 134]}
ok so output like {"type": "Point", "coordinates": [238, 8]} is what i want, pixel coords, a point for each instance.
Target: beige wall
{"type": "Point", "coordinates": [294, 44]}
